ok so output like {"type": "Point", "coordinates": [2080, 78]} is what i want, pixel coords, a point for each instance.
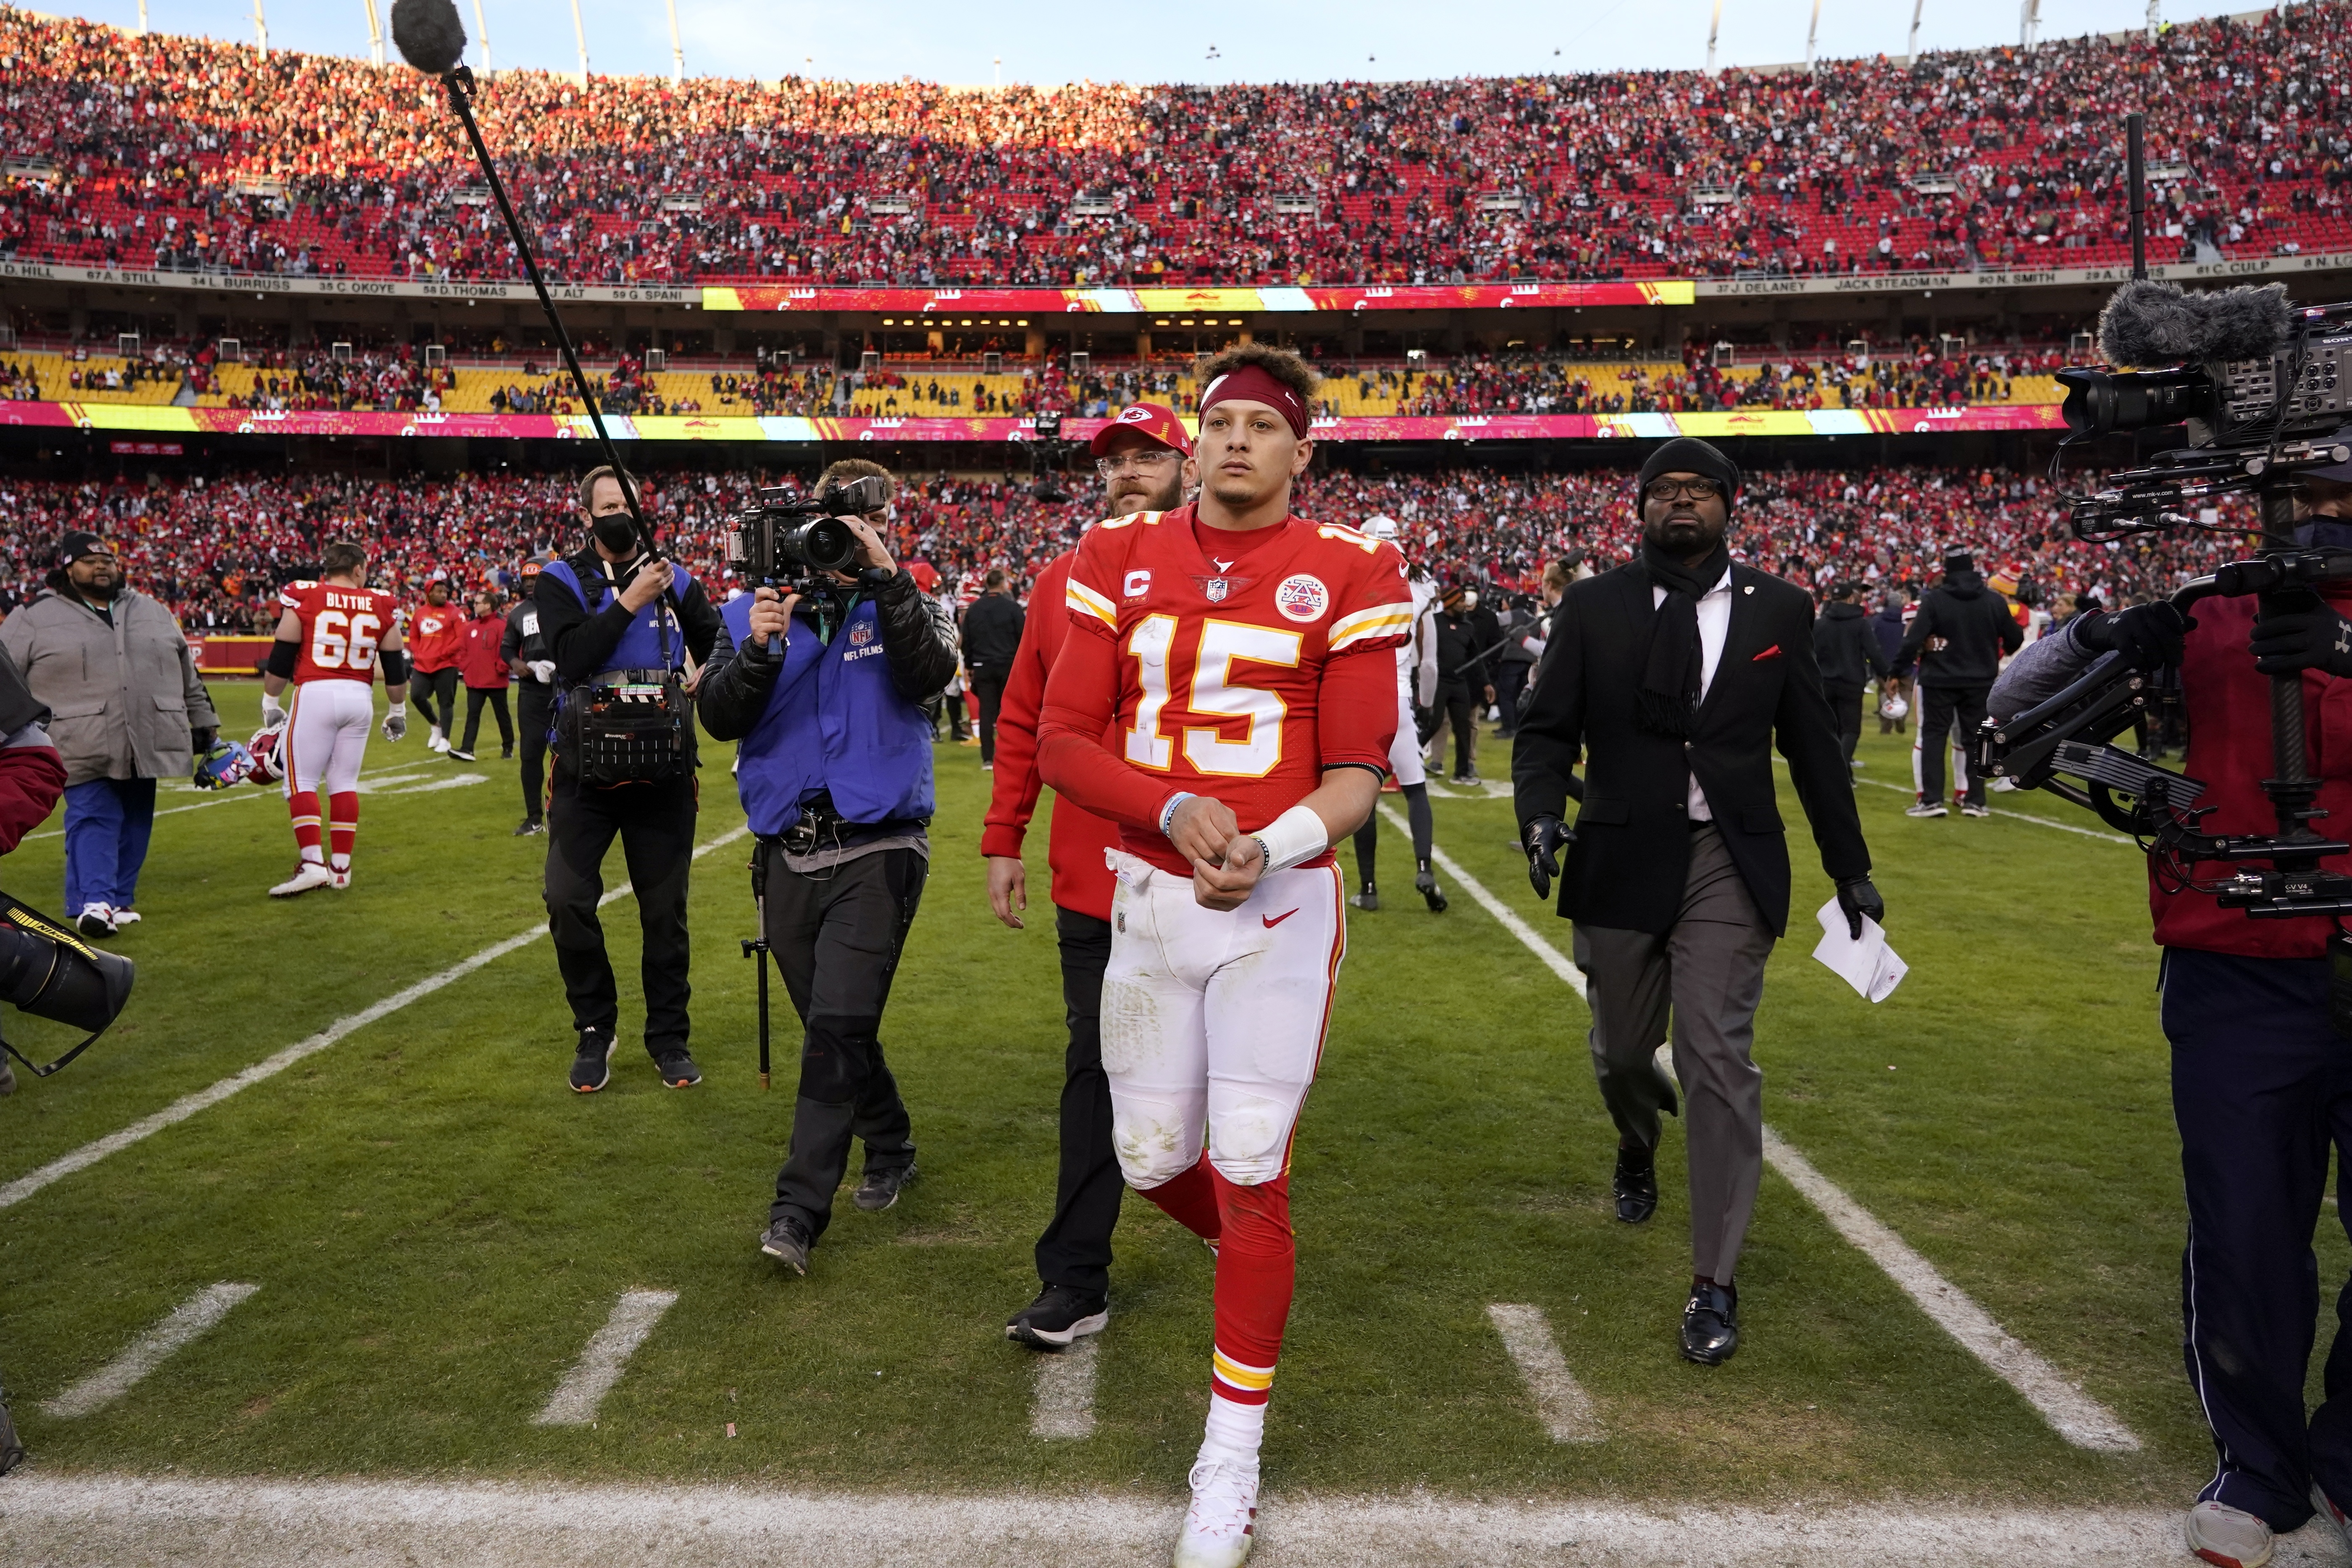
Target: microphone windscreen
{"type": "Point", "coordinates": [2244, 322]}
{"type": "Point", "coordinates": [428, 34]}
{"type": "Point", "coordinates": [2149, 323]}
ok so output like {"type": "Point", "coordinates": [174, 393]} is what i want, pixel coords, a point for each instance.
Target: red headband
{"type": "Point", "coordinates": [1255, 385]}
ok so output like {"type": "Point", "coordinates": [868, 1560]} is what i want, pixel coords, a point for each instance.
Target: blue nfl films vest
{"type": "Point", "coordinates": [833, 722]}
{"type": "Point", "coordinates": [640, 646]}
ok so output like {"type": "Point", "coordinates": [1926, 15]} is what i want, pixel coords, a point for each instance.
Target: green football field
{"type": "Point", "coordinates": [436, 1227]}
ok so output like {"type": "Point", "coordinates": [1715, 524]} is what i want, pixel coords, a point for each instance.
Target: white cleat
{"type": "Point", "coordinates": [1221, 1526]}
{"type": "Point", "coordinates": [2228, 1537]}
{"type": "Point", "coordinates": [343, 880]}
{"type": "Point", "coordinates": [126, 917]}
{"type": "Point", "coordinates": [96, 920]}
{"type": "Point", "coordinates": [439, 742]}
{"type": "Point", "coordinates": [310, 874]}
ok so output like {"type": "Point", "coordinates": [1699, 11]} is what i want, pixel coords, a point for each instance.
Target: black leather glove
{"type": "Point", "coordinates": [1858, 897]}
{"type": "Point", "coordinates": [2316, 638]}
{"type": "Point", "coordinates": [201, 740]}
{"type": "Point", "coordinates": [2146, 635]}
{"type": "Point", "coordinates": [1547, 836]}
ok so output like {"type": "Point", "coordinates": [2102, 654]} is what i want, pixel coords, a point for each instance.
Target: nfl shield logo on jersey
{"type": "Point", "coordinates": [1216, 589]}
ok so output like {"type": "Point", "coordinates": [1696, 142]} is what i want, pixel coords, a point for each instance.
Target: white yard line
{"type": "Point", "coordinates": [180, 1110]}
{"type": "Point", "coordinates": [150, 1351]}
{"type": "Point", "coordinates": [575, 1399]}
{"type": "Point", "coordinates": [1562, 1403]}
{"type": "Point", "coordinates": [71, 1521]}
{"type": "Point", "coordinates": [1064, 1404]}
{"type": "Point", "coordinates": [367, 783]}
{"type": "Point", "coordinates": [2071, 1412]}
{"type": "Point", "coordinates": [1997, 811]}
{"type": "Point", "coordinates": [455, 781]}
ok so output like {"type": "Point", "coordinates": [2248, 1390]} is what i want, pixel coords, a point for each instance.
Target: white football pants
{"type": "Point", "coordinates": [1213, 1020]}
{"type": "Point", "coordinates": [326, 735]}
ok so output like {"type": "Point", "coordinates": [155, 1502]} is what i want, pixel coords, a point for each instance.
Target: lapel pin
{"type": "Point", "coordinates": [1748, 589]}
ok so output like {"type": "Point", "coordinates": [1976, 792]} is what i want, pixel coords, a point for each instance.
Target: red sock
{"type": "Point", "coordinates": [1257, 1269]}
{"type": "Point", "coordinates": [303, 806]}
{"type": "Point", "coordinates": [1191, 1201]}
{"type": "Point", "coordinates": [343, 826]}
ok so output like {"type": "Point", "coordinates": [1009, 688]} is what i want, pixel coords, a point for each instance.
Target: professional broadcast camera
{"type": "Point", "coordinates": [789, 541]}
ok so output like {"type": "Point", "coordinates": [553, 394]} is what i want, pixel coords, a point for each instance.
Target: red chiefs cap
{"type": "Point", "coordinates": [1149, 419]}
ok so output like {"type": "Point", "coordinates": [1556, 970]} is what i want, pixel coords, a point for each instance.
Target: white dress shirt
{"type": "Point", "coordinates": [1714, 622]}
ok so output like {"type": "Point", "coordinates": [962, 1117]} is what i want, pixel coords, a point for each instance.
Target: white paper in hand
{"type": "Point", "coordinates": [1869, 965]}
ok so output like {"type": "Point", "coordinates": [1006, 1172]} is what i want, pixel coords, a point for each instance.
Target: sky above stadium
{"type": "Point", "coordinates": [1305, 40]}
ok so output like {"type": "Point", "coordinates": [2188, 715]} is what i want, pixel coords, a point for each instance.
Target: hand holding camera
{"type": "Point", "coordinates": [772, 617]}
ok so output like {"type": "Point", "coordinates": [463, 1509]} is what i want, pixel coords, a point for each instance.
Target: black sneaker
{"type": "Point", "coordinates": [677, 1069]}
{"type": "Point", "coordinates": [789, 1239]}
{"type": "Point", "coordinates": [1370, 899]}
{"type": "Point", "coordinates": [1426, 884]}
{"type": "Point", "coordinates": [12, 1448]}
{"type": "Point", "coordinates": [530, 825]}
{"type": "Point", "coordinates": [458, 756]}
{"type": "Point", "coordinates": [594, 1066]}
{"type": "Point", "coordinates": [1466, 781]}
{"type": "Point", "coordinates": [880, 1189]}
{"type": "Point", "coordinates": [505, 753]}
{"type": "Point", "coordinates": [1058, 1317]}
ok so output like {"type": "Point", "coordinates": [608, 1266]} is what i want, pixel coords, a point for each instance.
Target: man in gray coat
{"type": "Point", "coordinates": [126, 708]}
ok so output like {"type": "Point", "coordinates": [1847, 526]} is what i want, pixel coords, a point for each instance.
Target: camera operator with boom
{"type": "Point", "coordinates": [822, 676]}
{"type": "Point", "coordinates": [619, 623]}
{"type": "Point", "coordinates": [2256, 971]}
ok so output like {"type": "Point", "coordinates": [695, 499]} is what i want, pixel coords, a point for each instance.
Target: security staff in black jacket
{"type": "Point", "coordinates": [655, 820]}
{"type": "Point", "coordinates": [523, 646]}
{"type": "Point", "coordinates": [1959, 636]}
{"type": "Point", "coordinates": [1464, 679]}
{"type": "Point", "coordinates": [825, 695]}
{"type": "Point", "coordinates": [1672, 679]}
{"type": "Point", "coordinates": [1846, 648]}
{"type": "Point", "coordinates": [991, 635]}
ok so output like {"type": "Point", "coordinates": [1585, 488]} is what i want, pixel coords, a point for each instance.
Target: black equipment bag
{"type": "Point", "coordinates": [626, 726]}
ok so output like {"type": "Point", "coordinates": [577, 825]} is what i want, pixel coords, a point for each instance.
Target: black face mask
{"type": "Point", "coordinates": [618, 532]}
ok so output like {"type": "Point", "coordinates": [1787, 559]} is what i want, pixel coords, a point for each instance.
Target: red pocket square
{"type": "Point", "coordinates": [1772, 652]}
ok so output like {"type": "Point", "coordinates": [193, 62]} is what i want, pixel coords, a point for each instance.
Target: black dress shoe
{"type": "Point", "coordinates": [1711, 1325]}
{"type": "Point", "coordinates": [1636, 1185]}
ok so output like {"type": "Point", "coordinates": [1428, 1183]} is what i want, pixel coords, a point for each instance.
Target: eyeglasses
{"type": "Point", "coordinates": [1696, 489]}
{"type": "Point", "coordinates": [1149, 457]}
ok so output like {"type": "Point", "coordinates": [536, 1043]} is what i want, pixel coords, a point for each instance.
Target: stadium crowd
{"type": "Point", "coordinates": [217, 550]}
{"type": "Point", "coordinates": [155, 150]}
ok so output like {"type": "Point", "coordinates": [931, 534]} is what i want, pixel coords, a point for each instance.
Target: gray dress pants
{"type": "Point", "coordinates": [1708, 971]}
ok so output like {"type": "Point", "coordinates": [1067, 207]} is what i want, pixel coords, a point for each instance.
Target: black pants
{"type": "Point", "coordinates": [495, 696]}
{"type": "Point", "coordinates": [1845, 701]}
{"type": "Point", "coordinates": [436, 691]}
{"type": "Point", "coordinates": [1456, 701]}
{"type": "Point", "coordinates": [836, 935]}
{"type": "Point", "coordinates": [1075, 1248]}
{"type": "Point", "coordinates": [2262, 1089]}
{"type": "Point", "coordinates": [1510, 680]}
{"type": "Point", "coordinates": [1938, 707]}
{"type": "Point", "coordinates": [988, 685]}
{"type": "Point", "coordinates": [958, 724]}
{"type": "Point", "coordinates": [656, 823]}
{"type": "Point", "coordinates": [534, 711]}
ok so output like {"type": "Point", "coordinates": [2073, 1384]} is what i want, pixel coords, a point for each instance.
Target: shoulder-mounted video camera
{"type": "Point", "coordinates": [789, 542]}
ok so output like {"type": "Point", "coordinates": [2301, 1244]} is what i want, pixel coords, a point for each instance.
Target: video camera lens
{"type": "Point", "coordinates": [2101, 402]}
{"type": "Point", "coordinates": [825, 543]}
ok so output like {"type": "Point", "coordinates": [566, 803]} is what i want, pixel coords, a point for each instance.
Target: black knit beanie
{"type": "Point", "coordinates": [1689, 455]}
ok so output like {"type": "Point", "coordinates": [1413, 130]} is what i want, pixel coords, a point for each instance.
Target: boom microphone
{"type": "Point", "coordinates": [2151, 323]}
{"type": "Point", "coordinates": [428, 34]}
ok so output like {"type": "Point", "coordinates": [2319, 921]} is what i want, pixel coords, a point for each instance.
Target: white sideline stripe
{"type": "Point", "coordinates": [2072, 1414]}
{"type": "Point", "coordinates": [148, 1351]}
{"type": "Point", "coordinates": [180, 1110]}
{"type": "Point", "coordinates": [1562, 1403]}
{"type": "Point", "coordinates": [1063, 1405]}
{"type": "Point", "coordinates": [1999, 811]}
{"type": "Point", "coordinates": [575, 1399]}
{"type": "Point", "coordinates": [455, 781]}
{"type": "Point", "coordinates": [94, 1519]}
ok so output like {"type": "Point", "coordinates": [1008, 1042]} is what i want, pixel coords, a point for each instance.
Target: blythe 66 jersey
{"type": "Point", "coordinates": [1223, 641]}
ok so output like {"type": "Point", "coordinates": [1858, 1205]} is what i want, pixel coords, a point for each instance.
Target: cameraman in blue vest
{"type": "Point", "coordinates": [616, 619]}
{"type": "Point", "coordinates": [825, 691]}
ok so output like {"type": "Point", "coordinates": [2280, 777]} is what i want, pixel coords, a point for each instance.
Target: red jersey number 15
{"type": "Point", "coordinates": [1213, 692]}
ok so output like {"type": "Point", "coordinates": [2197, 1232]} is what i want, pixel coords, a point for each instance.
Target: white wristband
{"type": "Point", "coordinates": [1295, 837]}
{"type": "Point", "coordinates": [393, 707]}
{"type": "Point", "coordinates": [1168, 812]}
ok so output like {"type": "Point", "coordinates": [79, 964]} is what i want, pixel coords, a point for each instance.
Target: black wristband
{"type": "Point", "coordinates": [396, 666]}
{"type": "Point", "coordinates": [282, 656]}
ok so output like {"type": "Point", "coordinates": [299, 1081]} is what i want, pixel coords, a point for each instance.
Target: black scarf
{"type": "Point", "coordinates": [1670, 681]}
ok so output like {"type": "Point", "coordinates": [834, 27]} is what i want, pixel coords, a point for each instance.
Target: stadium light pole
{"type": "Point", "coordinates": [375, 34]}
{"type": "Point", "coordinates": [143, 18]}
{"type": "Point", "coordinates": [580, 36]}
{"type": "Point", "coordinates": [1813, 32]}
{"type": "Point", "coordinates": [482, 31]}
{"type": "Point", "coordinates": [1912, 55]}
{"type": "Point", "coordinates": [2028, 24]}
{"type": "Point", "coordinates": [2155, 19]}
{"type": "Point", "coordinates": [260, 30]}
{"type": "Point", "coordinates": [1713, 26]}
{"type": "Point", "coordinates": [676, 54]}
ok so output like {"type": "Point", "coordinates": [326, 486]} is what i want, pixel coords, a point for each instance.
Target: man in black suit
{"type": "Point", "coordinates": [1672, 678]}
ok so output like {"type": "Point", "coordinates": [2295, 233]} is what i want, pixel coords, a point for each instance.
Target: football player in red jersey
{"type": "Point", "coordinates": [437, 642]}
{"type": "Point", "coordinates": [331, 637]}
{"type": "Point", "coordinates": [1227, 696]}
{"type": "Point", "coordinates": [1141, 456]}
